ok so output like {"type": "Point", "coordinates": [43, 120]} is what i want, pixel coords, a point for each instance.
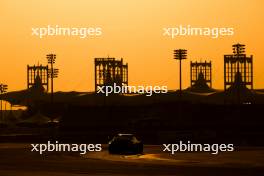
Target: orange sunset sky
{"type": "Point", "coordinates": [132, 29]}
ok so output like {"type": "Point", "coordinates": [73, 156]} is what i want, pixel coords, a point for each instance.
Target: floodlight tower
{"type": "Point", "coordinates": [238, 51]}
{"type": "Point", "coordinates": [3, 89]}
{"type": "Point", "coordinates": [180, 54]}
{"type": "Point", "coordinates": [53, 72]}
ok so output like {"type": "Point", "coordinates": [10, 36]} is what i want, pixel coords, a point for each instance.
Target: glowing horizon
{"type": "Point", "coordinates": [132, 30]}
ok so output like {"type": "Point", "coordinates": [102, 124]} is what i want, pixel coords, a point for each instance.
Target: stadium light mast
{"type": "Point", "coordinates": [53, 72]}
{"type": "Point", "coordinates": [180, 54]}
{"type": "Point", "coordinates": [3, 89]}
{"type": "Point", "coordinates": [238, 51]}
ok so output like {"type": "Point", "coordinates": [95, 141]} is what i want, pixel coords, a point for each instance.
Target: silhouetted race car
{"type": "Point", "coordinates": [125, 144]}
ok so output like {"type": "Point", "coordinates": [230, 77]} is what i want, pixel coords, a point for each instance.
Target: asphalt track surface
{"type": "Point", "coordinates": [18, 160]}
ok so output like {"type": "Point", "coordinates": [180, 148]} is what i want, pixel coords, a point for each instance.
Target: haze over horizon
{"type": "Point", "coordinates": [131, 30]}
